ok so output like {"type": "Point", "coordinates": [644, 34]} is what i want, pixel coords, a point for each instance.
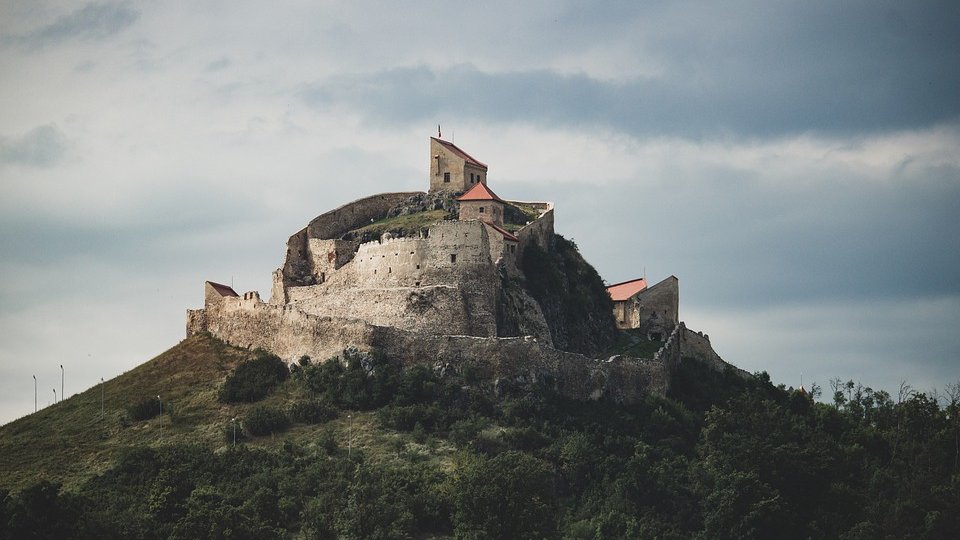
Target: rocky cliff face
{"type": "Point", "coordinates": [572, 297]}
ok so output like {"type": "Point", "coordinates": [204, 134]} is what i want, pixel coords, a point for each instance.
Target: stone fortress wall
{"type": "Point", "coordinates": [291, 333]}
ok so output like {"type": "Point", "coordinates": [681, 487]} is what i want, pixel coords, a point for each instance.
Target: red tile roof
{"type": "Point", "coordinates": [223, 289]}
{"type": "Point", "coordinates": [479, 192]}
{"type": "Point", "coordinates": [460, 153]}
{"type": "Point", "coordinates": [505, 234]}
{"type": "Point", "coordinates": [622, 291]}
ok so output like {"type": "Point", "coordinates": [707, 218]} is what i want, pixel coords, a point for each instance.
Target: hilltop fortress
{"type": "Point", "coordinates": [441, 278]}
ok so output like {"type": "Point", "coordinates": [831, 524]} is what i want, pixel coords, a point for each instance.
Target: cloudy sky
{"type": "Point", "coordinates": [796, 166]}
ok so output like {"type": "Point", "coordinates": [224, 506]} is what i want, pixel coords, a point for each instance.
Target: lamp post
{"type": "Point", "coordinates": [54, 396]}
{"type": "Point", "coordinates": [160, 401]}
{"type": "Point", "coordinates": [101, 397]}
{"type": "Point", "coordinates": [62, 395]}
{"type": "Point", "coordinates": [34, 393]}
{"type": "Point", "coordinates": [234, 422]}
{"type": "Point", "coordinates": [349, 435]}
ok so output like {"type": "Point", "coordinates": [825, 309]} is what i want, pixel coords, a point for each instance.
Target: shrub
{"type": "Point", "coordinates": [146, 409]}
{"type": "Point", "coordinates": [312, 412]}
{"type": "Point", "coordinates": [263, 420]}
{"type": "Point", "coordinates": [254, 379]}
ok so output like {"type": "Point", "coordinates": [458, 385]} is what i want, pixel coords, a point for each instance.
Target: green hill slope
{"type": "Point", "coordinates": [362, 449]}
{"type": "Point", "coordinates": [70, 441]}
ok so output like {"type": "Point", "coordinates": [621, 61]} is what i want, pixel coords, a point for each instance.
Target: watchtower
{"type": "Point", "coordinates": [452, 169]}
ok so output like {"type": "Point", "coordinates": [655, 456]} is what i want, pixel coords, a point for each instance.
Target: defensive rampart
{"type": "Point", "coordinates": [539, 231]}
{"type": "Point", "coordinates": [290, 334]}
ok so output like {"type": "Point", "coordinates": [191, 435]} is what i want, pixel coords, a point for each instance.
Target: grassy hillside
{"type": "Point", "coordinates": [419, 454]}
{"type": "Point", "coordinates": [70, 440]}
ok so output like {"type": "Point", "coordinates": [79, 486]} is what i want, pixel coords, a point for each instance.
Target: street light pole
{"type": "Point", "coordinates": [161, 417]}
{"type": "Point", "coordinates": [234, 421]}
{"type": "Point", "coordinates": [62, 395]}
{"type": "Point", "coordinates": [101, 397]}
{"type": "Point", "coordinates": [54, 396]}
{"type": "Point", "coordinates": [34, 393]}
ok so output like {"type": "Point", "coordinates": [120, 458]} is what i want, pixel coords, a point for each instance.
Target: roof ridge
{"type": "Point", "coordinates": [460, 151]}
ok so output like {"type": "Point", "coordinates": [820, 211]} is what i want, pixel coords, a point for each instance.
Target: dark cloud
{"type": "Point", "coordinates": [848, 69]}
{"type": "Point", "coordinates": [40, 147]}
{"type": "Point", "coordinates": [737, 239]}
{"type": "Point", "coordinates": [93, 21]}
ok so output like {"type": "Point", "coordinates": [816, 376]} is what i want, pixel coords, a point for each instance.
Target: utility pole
{"type": "Point", "coordinates": [34, 393]}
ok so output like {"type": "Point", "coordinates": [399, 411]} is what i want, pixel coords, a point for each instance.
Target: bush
{"type": "Point", "coordinates": [254, 379]}
{"type": "Point", "coordinates": [146, 409]}
{"type": "Point", "coordinates": [263, 420]}
{"type": "Point", "coordinates": [312, 412]}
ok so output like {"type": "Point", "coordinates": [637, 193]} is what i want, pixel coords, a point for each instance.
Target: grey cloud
{"type": "Point", "coordinates": [833, 69]}
{"type": "Point", "coordinates": [736, 240]}
{"type": "Point", "coordinates": [40, 147]}
{"type": "Point", "coordinates": [93, 21]}
{"type": "Point", "coordinates": [219, 64]}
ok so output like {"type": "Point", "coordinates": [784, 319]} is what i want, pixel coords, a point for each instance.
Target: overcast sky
{"type": "Point", "coordinates": [796, 166]}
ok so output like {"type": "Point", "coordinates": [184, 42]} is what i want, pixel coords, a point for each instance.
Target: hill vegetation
{"type": "Point", "coordinates": [361, 449]}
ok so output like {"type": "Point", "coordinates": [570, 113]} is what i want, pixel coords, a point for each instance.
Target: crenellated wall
{"type": "Point", "coordinates": [299, 262]}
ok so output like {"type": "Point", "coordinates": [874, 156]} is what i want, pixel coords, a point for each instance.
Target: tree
{"type": "Point", "coordinates": [509, 496]}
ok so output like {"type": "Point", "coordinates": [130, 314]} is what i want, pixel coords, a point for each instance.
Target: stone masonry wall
{"type": "Point", "coordinates": [443, 283]}
{"type": "Point", "coordinates": [539, 231]}
{"type": "Point", "coordinates": [332, 225]}
{"type": "Point", "coordinates": [290, 334]}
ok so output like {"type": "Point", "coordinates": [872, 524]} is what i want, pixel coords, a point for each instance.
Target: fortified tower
{"type": "Point", "coordinates": [452, 169]}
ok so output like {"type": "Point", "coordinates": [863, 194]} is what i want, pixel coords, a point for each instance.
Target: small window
{"type": "Point", "coordinates": [446, 177]}
{"type": "Point", "coordinates": [453, 257]}
{"type": "Point", "coordinates": [471, 178]}
{"type": "Point", "coordinates": [482, 210]}
{"type": "Point", "coordinates": [389, 270]}
{"type": "Point", "coordinates": [418, 267]}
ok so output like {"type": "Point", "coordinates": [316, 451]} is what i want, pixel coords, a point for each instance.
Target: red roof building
{"type": "Point", "coordinates": [452, 169]}
{"type": "Point", "coordinates": [622, 291]}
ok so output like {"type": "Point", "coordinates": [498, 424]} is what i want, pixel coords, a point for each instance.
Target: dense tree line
{"type": "Point", "coordinates": [721, 457]}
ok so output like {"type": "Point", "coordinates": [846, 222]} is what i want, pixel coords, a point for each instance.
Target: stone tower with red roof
{"type": "Point", "coordinates": [452, 169]}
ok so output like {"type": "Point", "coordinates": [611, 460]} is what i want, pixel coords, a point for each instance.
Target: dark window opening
{"type": "Point", "coordinates": [453, 257]}
{"type": "Point", "coordinates": [446, 177]}
{"type": "Point", "coordinates": [389, 270]}
{"type": "Point", "coordinates": [417, 284]}
{"type": "Point", "coordinates": [418, 267]}
{"type": "Point", "coordinates": [481, 210]}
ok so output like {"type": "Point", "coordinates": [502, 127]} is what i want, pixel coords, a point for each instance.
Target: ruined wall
{"type": "Point", "coordinates": [290, 334]}
{"type": "Point", "coordinates": [657, 308]}
{"type": "Point", "coordinates": [298, 265]}
{"type": "Point", "coordinates": [539, 231]}
{"type": "Point", "coordinates": [525, 360]}
{"type": "Point", "coordinates": [326, 256]}
{"type": "Point", "coordinates": [356, 214]}
{"type": "Point", "coordinates": [441, 283]}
